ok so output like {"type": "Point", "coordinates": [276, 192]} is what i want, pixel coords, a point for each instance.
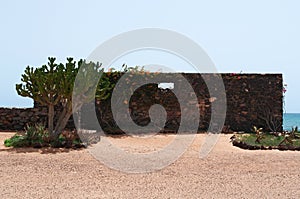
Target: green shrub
{"type": "Point", "coordinates": [17, 141]}
{"type": "Point", "coordinates": [37, 136]}
{"type": "Point", "coordinates": [34, 135]}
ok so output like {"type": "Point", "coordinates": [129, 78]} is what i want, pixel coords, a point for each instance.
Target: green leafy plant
{"type": "Point", "coordinates": [35, 132]}
{"type": "Point", "coordinates": [37, 136]}
{"type": "Point", "coordinates": [34, 135]}
{"type": "Point", "coordinates": [17, 141]}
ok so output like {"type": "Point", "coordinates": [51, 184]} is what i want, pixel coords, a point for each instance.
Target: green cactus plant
{"type": "Point", "coordinates": [53, 84]}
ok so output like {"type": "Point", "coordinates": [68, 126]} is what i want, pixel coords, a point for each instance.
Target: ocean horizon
{"type": "Point", "coordinates": [291, 120]}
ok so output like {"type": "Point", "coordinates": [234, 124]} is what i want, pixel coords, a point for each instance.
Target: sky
{"type": "Point", "coordinates": [252, 36]}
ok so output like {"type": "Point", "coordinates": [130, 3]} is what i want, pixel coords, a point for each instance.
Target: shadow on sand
{"type": "Point", "coordinates": [44, 150]}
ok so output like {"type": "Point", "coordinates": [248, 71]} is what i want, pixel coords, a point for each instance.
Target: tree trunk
{"type": "Point", "coordinates": [61, 116]}
{"type": "Point", "coordinates": [63, 120]}
{"type": "Point", "coordinates": [62, 124]}
{"type": "Point", "coordinates": [50, 118]}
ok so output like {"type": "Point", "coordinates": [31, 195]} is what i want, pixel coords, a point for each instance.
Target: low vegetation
{"type": "Point", "coordinates": [37, 136]}
{"type": "Point", "coordinates": [262, 140]}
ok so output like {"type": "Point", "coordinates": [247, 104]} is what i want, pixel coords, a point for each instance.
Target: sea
{"type": "Point", "coordinates": [291, 120]}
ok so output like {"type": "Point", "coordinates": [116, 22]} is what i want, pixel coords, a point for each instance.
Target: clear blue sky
{"type": "Point", "coordinates": [249, 35]}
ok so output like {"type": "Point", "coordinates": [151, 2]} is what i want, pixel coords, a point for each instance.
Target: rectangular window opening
{"type": "Point", "coordinates": [166, 85]}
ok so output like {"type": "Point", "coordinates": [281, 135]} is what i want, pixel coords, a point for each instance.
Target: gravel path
{"type": "Point", "coordinates": [228, 172]}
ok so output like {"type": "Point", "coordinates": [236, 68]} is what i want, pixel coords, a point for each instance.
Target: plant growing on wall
{"type": "Point", "coordinates": [113, 76]}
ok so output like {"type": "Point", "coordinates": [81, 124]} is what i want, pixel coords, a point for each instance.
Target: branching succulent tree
{"type": "Point", "coordinates": [53, 84]}
{"type": "Point", "coordinates": [43, 86]}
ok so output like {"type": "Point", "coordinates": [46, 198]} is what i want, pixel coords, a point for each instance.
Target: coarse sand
{"type": "Point", "coordinates": [227, 172]}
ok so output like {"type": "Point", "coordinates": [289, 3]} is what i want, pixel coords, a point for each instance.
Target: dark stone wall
{"type": "Point", "coordinates": [252, 99]}
{"type": "Point", "coordinates": [16, 119]}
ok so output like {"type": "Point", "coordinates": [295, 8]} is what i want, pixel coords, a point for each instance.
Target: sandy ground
{"type": "Point", "coordinates": [227, 172]}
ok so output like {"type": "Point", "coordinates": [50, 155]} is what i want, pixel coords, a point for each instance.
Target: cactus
{"type": "Point", "coordinates": [52, 84]}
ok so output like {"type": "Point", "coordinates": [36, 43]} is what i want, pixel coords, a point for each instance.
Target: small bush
{"type": "Point", "coordinates": [37, 136]}
{"type": "Point", "coordinates": [34, 136]}
{"type": "Point", "coordinates": [17, 141]}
